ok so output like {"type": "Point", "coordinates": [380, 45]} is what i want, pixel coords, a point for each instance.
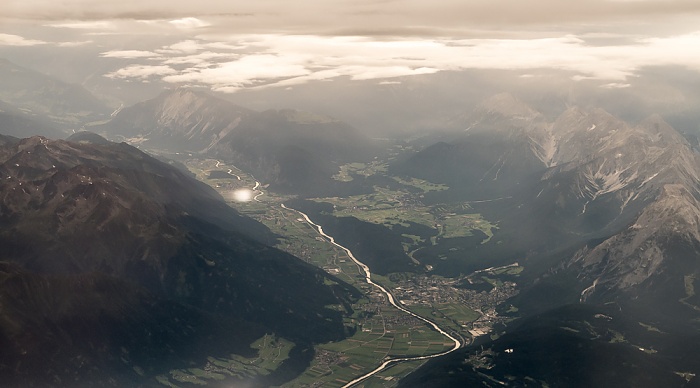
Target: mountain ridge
{"type": "Point", "coordinates": [64, 105]}
{"type": "Point", "coordinates": [93, 223]}
{"type": "Point", "coordinates": [178, 117]}
{"type": "Point", "coordinates": [619, 191]}
{"type": "Point", "coordinates": [290, 149]}
{"type": "Point", "coordinates": [612, 221]}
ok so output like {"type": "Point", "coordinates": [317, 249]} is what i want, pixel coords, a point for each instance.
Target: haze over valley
{"type": "Point", "coordinates": [372, 194]}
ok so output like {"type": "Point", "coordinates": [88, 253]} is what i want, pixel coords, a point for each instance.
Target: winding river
{"type": "Point", "coordinates": [390, 298]}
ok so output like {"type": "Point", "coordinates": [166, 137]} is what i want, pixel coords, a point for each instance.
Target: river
{"type": "Point", "coordinates": [392, 301]}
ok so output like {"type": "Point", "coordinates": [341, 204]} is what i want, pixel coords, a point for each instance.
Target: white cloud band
{"type": "Point", "coordinates": [284, 60]}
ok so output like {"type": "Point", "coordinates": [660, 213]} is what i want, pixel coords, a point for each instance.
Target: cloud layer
{"type": "Point", "coordinates": [16, 40]}
{"type": "Point", "coordinates": [229, 45]}
{"type": "Point", "coordinates": [353, 16]}
{"type": "Point", "coordinates": [285, 60]}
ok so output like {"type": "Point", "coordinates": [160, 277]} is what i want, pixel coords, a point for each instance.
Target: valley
{"type": "Point", "coordinates": [383, 331]}
{"type": "Point", "coordinates": [354, 271]}
{"type": "Point", "coordinates": [486, 246]}
{"type": "Point", "coordinates": [349, 195]}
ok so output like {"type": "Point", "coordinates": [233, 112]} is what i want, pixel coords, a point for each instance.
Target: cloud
{"type": "Point", "coordinates": [142, 72]}
{"type": "Point", "coordinates": [129, 54]}
{"type": "Point", "coordinates": [453, 18]}
{"type": "Point", "coordinates": [85, 25]}
{"type": "Point", "coordinates": [222, 46]}
{"type": "Point", "coordinates": [286, 60]}
{"type": "Point", "coordinates": [185, 47]}
{"type": "Point", "coordinates": [249, 70]}
{"type": "Point", "coordinates": [615, 85]}
{"type": "Point", "coordinates": [203, 59]}
{"type": "Point", "coordinates": [74, 44]}
{"type": "Point", "coordinates": [269, 43]}
{"type": "Point", "coordinates": [189, 23]}
{"type": "Point", "coordinates": [16, 40]}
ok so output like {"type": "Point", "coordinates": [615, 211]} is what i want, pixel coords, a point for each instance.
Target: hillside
{"type": "Point", "coordinates": [42, 97]}
{"type": "Point", "coordinates": [101, 235]}
{"type": "Point", "coordinates": [609, 222]}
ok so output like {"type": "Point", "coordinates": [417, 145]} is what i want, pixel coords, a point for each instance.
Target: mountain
{"type": "Point", "coordinates": [91, 329]}
{"type": "Point", "coordinates": [605, 171]}
{"type": "Point", "coordinates": [606, 224]}
{"type": "Point", "coordinates": [571, 346]}
{"type": "Point", "coordinates": [290, 149]}
{"type": "Point", "coordinates": [40, 96]}
{"type": "Point", "coordinates": [630, 188]}
{"type": "Point", "coordinates": [293, 150]}
{"type": "Point", "coordinates": [585, 175]}
{"type": "Point", "coordinates": [18, 123]}
{"type": "Point", "coordinates": [118, 267]}
{"type": "Point", "coordinates": [87, 137]}
{"type": "Point", "coordinates": [180, 119]}
{"type": "Point", "coordinates": [502, 143]}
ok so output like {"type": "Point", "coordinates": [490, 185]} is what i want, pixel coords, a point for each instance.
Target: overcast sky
{"type": "Point", "coordinates": [230, 45]}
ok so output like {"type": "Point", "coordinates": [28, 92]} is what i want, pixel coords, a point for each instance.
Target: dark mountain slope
{"type": "Point", "coordinates": [94, 330]}
{"type": "Point", "coordinates": [133, 230]}
{"type": "Point", "coordinates": [572, 346]}
{"type": "Point", "coordinates": [612, 217]}
{"type": "Point", "coordinates": [587, 175]}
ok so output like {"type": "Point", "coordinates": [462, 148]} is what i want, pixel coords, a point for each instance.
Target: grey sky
{"type": "Point", "coordinates": [230, 45]}
{"type": "Point", "coordinates": [327, 17]}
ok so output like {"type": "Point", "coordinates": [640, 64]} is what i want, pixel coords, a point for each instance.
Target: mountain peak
{"type": "Point", "coordinates": [87, 137]}
{"type": "Point", "coordinates": [507, 105]}
{"type": "Point", "coordinates": [591, 115]}
{"type": "Point", "coordinates": [184, 96]}
{"type": "Point", "coordinates": [183, 101]}
{"type": "Point", "coordinates": [660, 130]}
{"type": "Point", "coordinates": [180, 118]}
{"type": "Point", "coordinates": [304, 117]}
{"type": "Point", "coordinates": [187, 91]}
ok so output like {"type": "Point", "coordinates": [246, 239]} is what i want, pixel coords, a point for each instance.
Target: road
{"type": "Point", "coordinates": [392, 301]}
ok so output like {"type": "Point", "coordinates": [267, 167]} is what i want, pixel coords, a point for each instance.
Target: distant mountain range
{"type": "Point", "coordinates": [18, 123]}
{"type": "Point", "coordinates": [292, 150]}
{"type": "Point", "coordinates": [46, 99]}
{"type": "Point", "coordinates": [117, 267]}
{"type": "Point", "coordinates": [586, 175]}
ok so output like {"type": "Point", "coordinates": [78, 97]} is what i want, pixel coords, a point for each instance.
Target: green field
{"type": "Point", "coordinates": [420, 184]}
{"type": "Point", "coordinates": [365, 169]}
{"type": "Point", "coordinates": [272, 351]}
{"type": "Point", "coordinates": [391, 376]}
{"type": "Point", "coordinates": [391, 208]}
{"type": "Point", "coordinates": [381, 330]}
{"type": "Point", "coordinates": [388, 333]}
